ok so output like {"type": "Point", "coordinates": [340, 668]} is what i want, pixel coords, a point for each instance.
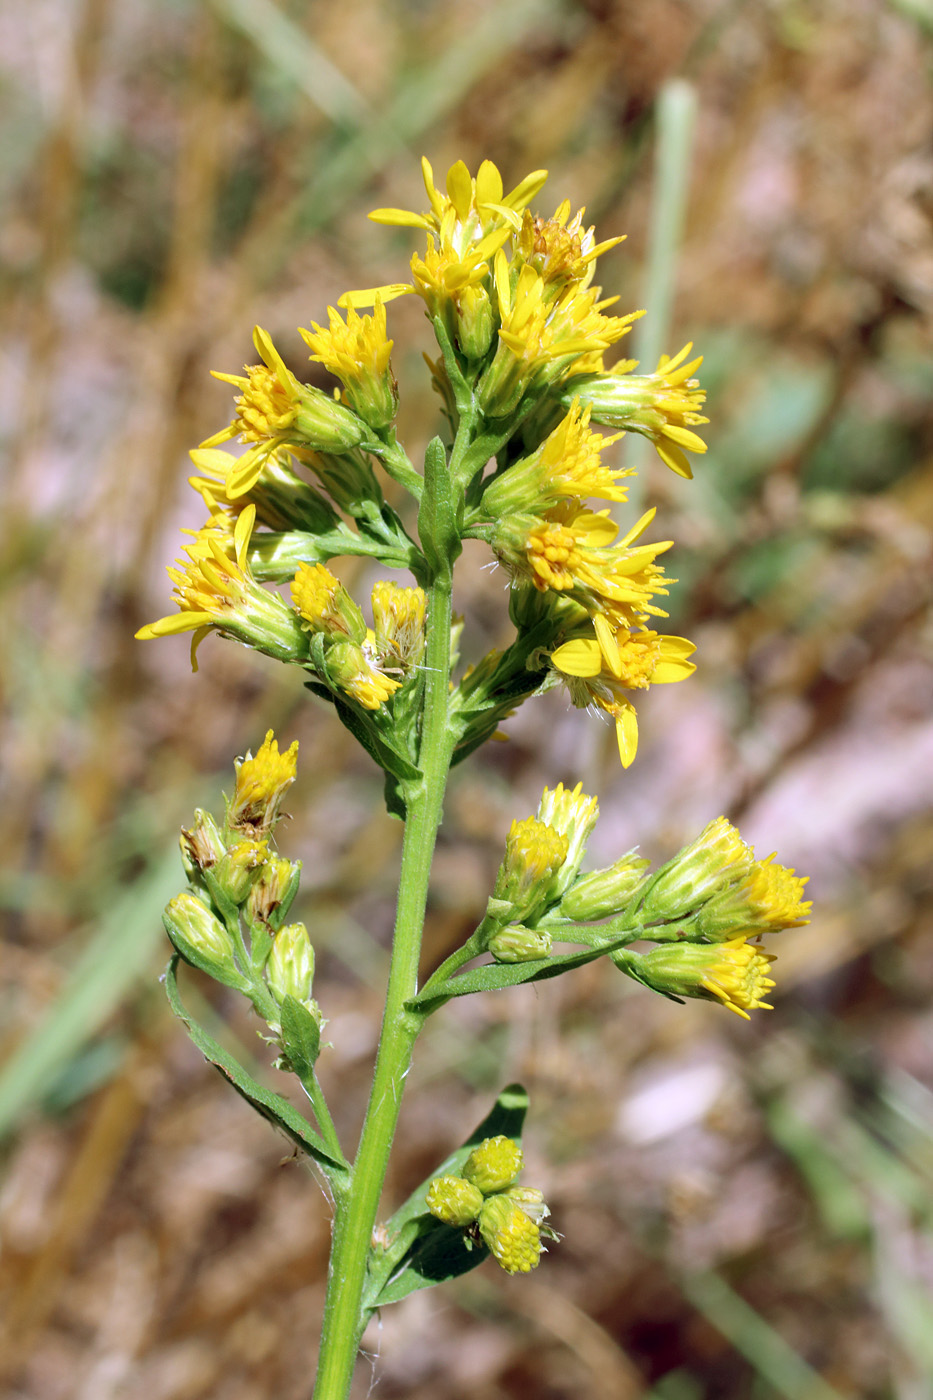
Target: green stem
{"type": "Point", "coordinates": [472, 948]}
{"type": "Point", "coordinates": [356, 1214]}
{"type": "Point", "coordinates": [325, 1122]}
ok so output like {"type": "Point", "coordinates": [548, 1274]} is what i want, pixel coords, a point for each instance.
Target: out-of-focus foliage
{"type": "Point", "coordinates": [742, 1207]}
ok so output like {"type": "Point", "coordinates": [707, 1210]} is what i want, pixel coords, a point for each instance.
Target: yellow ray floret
{"type": "Point", "coordinates": [642, 658]}
{"type": "Point", "coordinates": [211, 584]}
{"type": "Point", "coordinates": [482, 198]}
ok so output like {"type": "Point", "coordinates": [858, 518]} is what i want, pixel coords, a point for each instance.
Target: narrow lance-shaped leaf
{"type": "Point", "coordinates": [272, 1106]}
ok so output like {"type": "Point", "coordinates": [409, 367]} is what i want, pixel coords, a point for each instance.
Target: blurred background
{"type": "Point", "coordinates": [746, 1208]}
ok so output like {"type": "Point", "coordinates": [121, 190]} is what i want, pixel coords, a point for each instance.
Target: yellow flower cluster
{"type": "Point", "coordinates": [486, 1202]}
{"type": "Point", "coordinates": [357, 658]}
{"type": "Point", "coordinates": [521, 321]}
{"type": "Point", "coordinates": [495, 274]}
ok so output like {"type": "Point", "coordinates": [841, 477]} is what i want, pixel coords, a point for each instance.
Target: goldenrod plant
{"type": "Point", "coordinates": [522, 331]}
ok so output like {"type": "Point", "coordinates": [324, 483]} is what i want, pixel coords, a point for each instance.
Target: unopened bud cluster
{"type": "Point", "coordinates": [486, 1202]}
{"type": "Point", "coordinates": [230, 922]}
{"type": "Point", "coordinates": [702, 906]}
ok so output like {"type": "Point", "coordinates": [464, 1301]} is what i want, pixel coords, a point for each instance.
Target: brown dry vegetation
{"type": "Point", "coordinates": [745, 1209]}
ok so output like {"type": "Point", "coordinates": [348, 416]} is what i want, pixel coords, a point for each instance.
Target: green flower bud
{"type": "Point", "coordinates": [272, 893]}
{"type": "Point", "coordinates": [476, 322]}
{"type": "Point", "coordinates": [238, 869]}
{"type": "Point", "coordinates": [517, 944]}
{"type": "Point", "coordinates": [290, 968]}
{"type": "Point", "coordinates": [604, 892]}
{"type": "Point", "coordinates": [348, 479]}
{"type": "Point", "coordinates": [202, 846]}
{"type": "Point", "coordinates": [494, 1164]}
{"type": "Point", "coordinates": [323, 424]}
{"type": "Point", "coordinates": [201, 938]}
{"type": "Point", "coordinates": [511, 1236]}
{"type": "Point", "coordinates": [534, 853]}
{"type": "Point", "coordinates": [717, 859]}
{"type": "Point", "coordinates": [454, 1200]}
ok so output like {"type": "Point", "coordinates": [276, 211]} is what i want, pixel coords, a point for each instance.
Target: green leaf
{"type": "Point", "coordinates": [422, 1250]}
{"type": "Point", "coordinates": [225, 906]}
{"type": "Point", "coordinates": [437, 516]}
{"type": "Point", "coordinates": [388, 759]}
{"type": "Point", "coordinates": [394, 796]}
{"type": "Point", "coordinates": [271, 1106]}
{"type": "Point", "coordinates": [438, 1253]}
{"type": "Point", "coordinates": [493, 977]}
{"type": "Point", "coordinates": [301, 1036]}
{"type": "Point", "coordinates": [260, 945]}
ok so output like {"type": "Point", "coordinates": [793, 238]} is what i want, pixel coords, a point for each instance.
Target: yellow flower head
{"type": "Point", "coordinates": [573, 813]}
{"type": "Point", "coordinates": [214, 588]}
{"type": "Point", "coordinates": [542, 339]}
{"type": "Point", "coordinates": [567, 465]}
{"type": "Point", "coordinates": [261, 783]}
{"type": "Point", "coordinates": [641, 658]}
{"type": "Point", "coordinates": [534, 853]}
{"type": "Point", "coordinates": [774, 896]}
{"type": "Point", "coordinates": [511, 1236]}
{"type": "Point", "coordinates": [353, 670]}
{"type": "Point", "coordinates": [738, 976]}
{"type": "Point", "coordinates": [454, 1200]}
{"type": "Point", "coordinates": [465, 228]}
{"type": "Point", "coordinates": [357, 352]}
{"type": "Point", "coordinates": [561, 251]}
{"type": "Point", "coordinates": [734, 973]}
{"type": "Point", "coordinates": [398, 616]}
{"type": "Point", "coordinates": [664, 406]}
{"type": "Point", "coordinates": [766, 897]}
{"type": "Point", "coordinates": [273, 409]}
{"type": "Point", "coordinates": [494, 1164]}
{"type": "Point", "coordinates": [571, 550]}
{"type": "Point", "coordinates": [325, 605]}
{"type": "Point", "coordinates": [212, 583]}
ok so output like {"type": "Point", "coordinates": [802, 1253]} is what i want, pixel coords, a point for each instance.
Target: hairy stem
{"type": "Point", "coordinates": [356, 1214]}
